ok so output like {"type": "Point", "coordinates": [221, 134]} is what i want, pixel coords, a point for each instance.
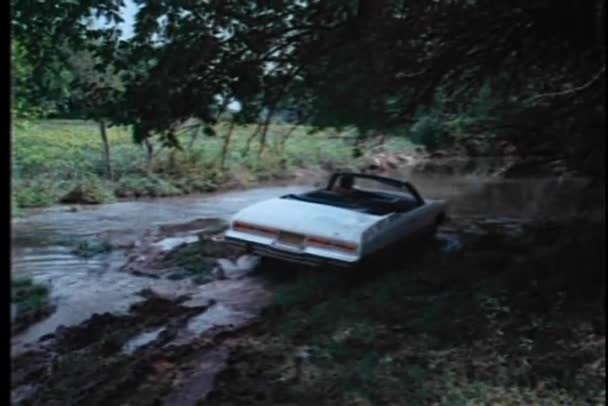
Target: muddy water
{"type": "Point", "coordinates": [41, 249]}
{"type": "Point", "coordinates": [81, 287]}
{"type": "Point", "coordinates": [516, 198]}
{"type": "Point", "coordinates": [131, 219]}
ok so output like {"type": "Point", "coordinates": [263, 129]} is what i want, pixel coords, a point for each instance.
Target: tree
{"type": "Point", "coordinates": [96, 91]}
{"type": "Point", "coordinates": [21, 72]}
{"type": "Point", "coordinates": [41, 30]}
{"type": "Point", "coordinates": [367, 63]}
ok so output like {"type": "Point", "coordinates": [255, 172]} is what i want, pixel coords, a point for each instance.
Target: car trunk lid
{"type": "Point", "coordinates": [295, 219]}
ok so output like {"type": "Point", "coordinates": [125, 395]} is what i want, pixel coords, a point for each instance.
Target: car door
{"type": "Point", "coordinates": [410, 223]}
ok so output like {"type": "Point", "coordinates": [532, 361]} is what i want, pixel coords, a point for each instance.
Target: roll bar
{"type": "Point", "coordinates": [389, 181]}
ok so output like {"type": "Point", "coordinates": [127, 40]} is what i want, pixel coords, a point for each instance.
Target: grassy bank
{"type": "Point", "coordinates": [509, 321]}
{"type": "Point", "coordinates": [54, 157]}
{"type": "Point", "coordinates": [30, 301]}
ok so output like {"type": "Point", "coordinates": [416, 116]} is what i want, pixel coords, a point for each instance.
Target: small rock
{"type": "Point", "coordinates": [392, 162]}
{"type": "Point", "coordinates": [243, 265]}
{"type": "Point", "coordinates": [142, 340]}
{"type": "Point", "coordinates": [376, 162]}
{"type": "Point", "coordinates": [218, 273]}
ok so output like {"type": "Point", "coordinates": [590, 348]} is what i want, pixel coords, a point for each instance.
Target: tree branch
{"type": "Point", "coordinates": [569, 91]}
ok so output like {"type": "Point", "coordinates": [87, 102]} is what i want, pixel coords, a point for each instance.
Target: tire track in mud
{"type": "Point", "coordinates": [167, 349]}
{"type": "Point", "coordinates": [95, 363]}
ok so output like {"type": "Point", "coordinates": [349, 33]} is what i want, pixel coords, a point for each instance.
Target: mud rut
{"type": "Point", "coordinates": [168, 349]}
{"type": "Point", "coordinates": [175, 349]}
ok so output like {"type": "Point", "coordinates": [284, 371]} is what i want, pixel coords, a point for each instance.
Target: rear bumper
{"type": "Point", "coordinates": [271, 252]}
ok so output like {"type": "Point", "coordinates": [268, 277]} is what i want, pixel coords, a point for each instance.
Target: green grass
{"type": "Point", "coordinates": [197, 260]}
{"type": "Point", "coordinates": [90, 248]}
{"type": "Point", "coordinates": [470, 336]}
{"type": "Point", "coordinates": [29, 297]}
{"type": "Point", "coordinates": [51, 158]}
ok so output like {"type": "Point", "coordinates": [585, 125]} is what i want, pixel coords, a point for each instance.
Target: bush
{"type": "Point", "coordinates": [445, 120]}
{"type": "Point", "coordinates": [196, 184]}
{"type": "Point", "coordinates": [50, 158]}
{"type": "Point", "coordinates": [35, 193]}
{"type": "Point", "coordinates": [89, 190]}
{"type": "Point", "coordinates": [28, 296]}
{"type": "Point", "coordinates": [145, 186]}
{"type": "Point", "coordinates": [429, 131]}
{"type": "Point", "coordinates": [90, 248]}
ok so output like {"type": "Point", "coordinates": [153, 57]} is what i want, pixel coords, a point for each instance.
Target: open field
{"type": "Point", "coordinates": [52, 157]}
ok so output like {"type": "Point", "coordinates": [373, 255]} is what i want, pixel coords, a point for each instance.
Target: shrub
{"type": "Point", "coordinates": [28, 296]}
{"type": "Point", "coordinates": [430, 131]}
{"type": "Point", "coordinates": [142, 186]}
{"type": "Point", "coordinates": [89, 190]}
{"type": "Point", "coordinates": [90, 248]}
{"type": "Point", "coordinates": [35, 193]}
{"type": "Point", "coordinates": [196, 184]}
{"type": "Point", "coordinates": [446, 120]}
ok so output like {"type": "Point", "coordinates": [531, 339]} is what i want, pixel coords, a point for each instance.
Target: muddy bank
{"type": "Point", "coordinates": [163, 345]}
{"type": "Point", "coordinates": [44, 246]}
{"type": "Point", "coordinates": [199, 304]}
{"type": "Point", "coordinates": [472, 155]}
{"type": "Point", "coordinates": [171, 260]}
{"type": "Point", "coordinates": [498, 158]}
{"type": "Point", "coordinates": [480, 314]}
{"type": "Point", "coordinates": [166, 348]}
{"type": "Point", "coordinates": [29, 304]}
{"type": "Point", "coordinates": [173, 247]}
{"type": "Point", "coordinates": [510, 316]}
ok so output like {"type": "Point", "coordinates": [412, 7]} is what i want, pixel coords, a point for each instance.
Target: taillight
{"type": "Point", "coordinates": [254, 229]}
{"type": "Point", "coordinates": [331, 244]}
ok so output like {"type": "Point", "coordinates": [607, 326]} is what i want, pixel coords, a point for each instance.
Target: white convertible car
{"type": "Point", "coordinates": [355, 216]}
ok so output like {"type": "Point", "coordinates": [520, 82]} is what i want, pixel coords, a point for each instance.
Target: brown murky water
{"type": "Point", "coordinates": [516, 198]}
{"type": "Point", "coordinates": [80, 287]}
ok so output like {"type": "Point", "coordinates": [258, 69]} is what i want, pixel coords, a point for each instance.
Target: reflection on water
{"type": "Point", "coordinates": [40, 227]}
{"type": "Point", "coordinates": [521, 198]}
{"type": "Point", "coordinates": [81, 287]}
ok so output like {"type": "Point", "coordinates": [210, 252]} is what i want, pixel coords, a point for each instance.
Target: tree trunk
{"type": "Point", "coordinates": [264, 132]}
{"type": "Point", "coordinates": [283, 140]}
{"type": "Point", "coordinates": [106, 149]}
{"type": "Point", "coordinates": [149, 154]}
{"type": "Point", "coordinates": [250, 139]}
{"type": "Point", "coordinates": [225, 146]}
{"type": "Point", "coordinates": [172, 160]}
